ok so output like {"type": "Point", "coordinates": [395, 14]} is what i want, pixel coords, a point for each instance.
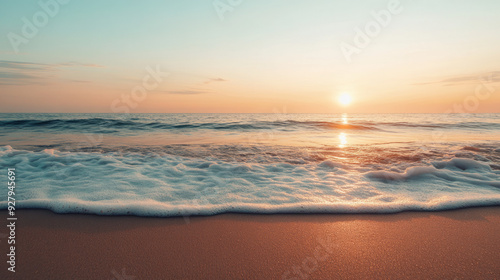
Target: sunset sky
{"type": "Point", "coordinates": [254, 56]}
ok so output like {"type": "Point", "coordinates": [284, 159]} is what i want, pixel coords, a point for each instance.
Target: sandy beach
{"type": "Point", "coordinates": [459, 244]}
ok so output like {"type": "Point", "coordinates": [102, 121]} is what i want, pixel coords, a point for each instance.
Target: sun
{"type": "Point", "coordinates": [345, 99]}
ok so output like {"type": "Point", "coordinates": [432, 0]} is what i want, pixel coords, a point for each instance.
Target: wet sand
{"type": "Point", "coordinates": [447, 245]}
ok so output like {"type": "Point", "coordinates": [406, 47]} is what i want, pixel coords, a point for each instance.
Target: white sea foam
{"type": "Point", "coordinates": [156, 184]}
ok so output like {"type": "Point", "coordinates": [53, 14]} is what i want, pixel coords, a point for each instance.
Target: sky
{"type": "Point", "coordinates": [242, 56]}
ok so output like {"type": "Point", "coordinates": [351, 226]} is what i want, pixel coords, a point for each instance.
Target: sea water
{"type": "Point", "coordinates": [203, 164]}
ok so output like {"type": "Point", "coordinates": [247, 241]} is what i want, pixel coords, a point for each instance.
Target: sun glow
{"type": "Point", "coordinates": [345, 99]}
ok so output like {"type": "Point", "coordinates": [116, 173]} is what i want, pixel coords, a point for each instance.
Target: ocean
{"type": "Point", "coordinates": [205, 164]}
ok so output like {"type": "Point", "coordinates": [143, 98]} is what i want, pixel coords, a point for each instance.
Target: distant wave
{"type": "Point", "coordinates": [459, 125]}
{"type": "Point", "coordinates": [109, 125]}
{"type": "Point", "coordinates": [133, 124]}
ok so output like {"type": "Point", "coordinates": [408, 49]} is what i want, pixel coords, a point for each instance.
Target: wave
{"type": "Point", "coordinates": [173, 185]}
{"type": "Point", "coordinates": [437, 125]}
{"type": "Point", "coordinates": [103, 123]}
{"type": "Point", "coordinates": [112, 125]}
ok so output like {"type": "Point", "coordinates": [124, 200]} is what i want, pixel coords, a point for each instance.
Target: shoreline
{"type": "Point", "coordinates": [395, 212]}
{"type": "Point", "coordinates": [461, 243]}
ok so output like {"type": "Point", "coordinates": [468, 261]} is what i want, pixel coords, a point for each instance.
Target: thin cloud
{"type": "Point", "coordinates": [18, 65]}
{"type": "Point", "coordinates": [29, 73]}
{"type": "Point", "coordinates": [22, 73]}
{"type": "Point", "coordinates": [489, 77]}
{"type": "Point", "coordinates": [10, 78]}
{"type": "Point", "coordinates": [10, 75]}
{"type": "Point", "coordinates": [214, 80]}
